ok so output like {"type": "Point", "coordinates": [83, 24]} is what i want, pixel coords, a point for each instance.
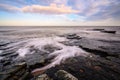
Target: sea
{"type": "Point", "coordinates": [25, 40]}
{"type": "Point", "coordinates": [18, 32]}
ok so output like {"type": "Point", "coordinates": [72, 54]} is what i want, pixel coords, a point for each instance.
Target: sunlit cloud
{"type": "Point", "coordinates": [52, 9]}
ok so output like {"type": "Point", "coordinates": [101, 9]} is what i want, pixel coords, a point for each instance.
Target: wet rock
{"type": "Point", "coordinates": [13, 55]}
{"type": "Point", "coordinates": [6, 63]}
{"type": "Point", "coordinates": [33, 59]}
{"type": "Point", "coordinates": [4, 77]}
{"type": "Point", "coordinates": [6, 53]}
{"type": "Point", "coordinates": [108, 31]}
{"type": "Point", "coordinates": [63, 75]}
{"type": "Point", "coordinates": [14, 72]}
{"type": "Point", "coordinates": [71, 60]}
{"type": "Point", "coordinates": [43, 77]}
{"type": "Point", "coordinates": [3, 43]}
{"type": "Point", "coordinates": [72, 36]}
{"type": "Point", "coordinates": [113, 59]}
{"type": "Point", "coordinates": [51, 48]}
{"type": "Point", "coordinates": [97, 29]}
{"type": "Point", "coordinates": [98, 47]}
{"type": "Point", "coordinates": [14, 69]}
{"type": "Point", "coordinates": [24, 76]}
{"type": "Point", "coordinates": [5, 60]}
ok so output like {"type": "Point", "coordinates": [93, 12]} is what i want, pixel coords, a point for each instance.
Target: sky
{"type": "Point", "coordinates": [59, 12]}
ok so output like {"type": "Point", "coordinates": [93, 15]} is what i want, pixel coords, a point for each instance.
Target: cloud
{"type": "Point", "coordinates": [9, 8]}
{"type": "Point", "coordinates": [91, 9]}
{"type": "Point", "coordinates": [96, 9]}
{"type": "Point", "coordinates": [14, 2]}
{"type": "Point", "coordinates": [52, 9]}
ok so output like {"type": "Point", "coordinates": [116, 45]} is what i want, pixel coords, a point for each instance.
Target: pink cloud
{"type": "Point", "coordinates": [51, 9]}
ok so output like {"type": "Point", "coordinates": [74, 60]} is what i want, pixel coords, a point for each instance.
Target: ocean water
{"type": "Point", "coordinates": [22, 39]}
{"type": "Point", "coordinates": [33, 31]}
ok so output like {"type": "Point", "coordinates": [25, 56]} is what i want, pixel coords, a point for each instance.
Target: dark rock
{"type": "Point", "coordinates": [13, 73]}
{"type": "Point", "coordinates": [32, 59]}
{"type": "Point", "coordinates": [4, 77]}
{"type": "Point", "coordinates": [108, 31]}
{"type": "Point", "coordinates": [51, 48]}
{"type": "Point", "coordinates": [63, 75]}
{"type": "Point", "coordinates": [102, 48]}
{"type": "Point", "coordinates": [7, 52]}
{"type": "Point", "coordinates": [113, 59]}
{"type": "Point", "coordinates": [14, 69]}
{"type": "Point", "coordinates": [6, 63]}
{"type": "Point", "coordinates": [25, 76]}
{"type": "Point", "coordinates": [89, 68]}
{"type": "Point", "coordinates": [97, 29]}
{"type": "Point", "coordinates": [72, 36]}
{"type": "Point", "coordinates": [4, 43]}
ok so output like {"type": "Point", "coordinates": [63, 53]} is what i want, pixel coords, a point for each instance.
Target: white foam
{"type": "Point", "coordinates": [40, 43]}
{"type": "Point", "coordinates": [61, 55]}
{"type": "Point", "coordinates": [65, 53]}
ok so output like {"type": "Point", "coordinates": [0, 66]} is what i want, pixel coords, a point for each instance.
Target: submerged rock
{"type": "Point", "coordinates": [63, 75]}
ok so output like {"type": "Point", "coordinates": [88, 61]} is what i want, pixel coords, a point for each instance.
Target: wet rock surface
{"type": "Point", "coordinates": [99, 47]}
{"type": "Point", "coordinates": [63, 75]}
{"type": "Point", "coordinates": [102, 64]}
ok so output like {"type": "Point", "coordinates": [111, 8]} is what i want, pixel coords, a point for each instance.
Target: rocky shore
{"type": "Point", "coordinates": [103, 62]}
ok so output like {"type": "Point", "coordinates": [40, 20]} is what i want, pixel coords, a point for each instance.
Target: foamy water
{"type": "Point", "coordinates": [64, 52]}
